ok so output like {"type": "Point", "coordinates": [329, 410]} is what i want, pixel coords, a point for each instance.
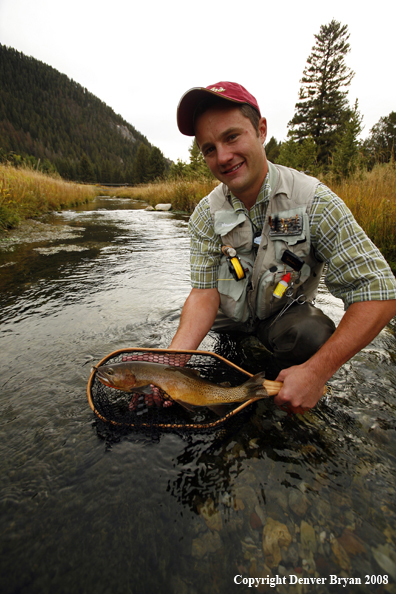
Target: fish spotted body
{"type": "Point", "coordinates": [181, 384]}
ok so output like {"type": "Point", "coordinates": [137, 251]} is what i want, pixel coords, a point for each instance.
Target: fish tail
{"type": "Point", "coordinates": [254, 386]}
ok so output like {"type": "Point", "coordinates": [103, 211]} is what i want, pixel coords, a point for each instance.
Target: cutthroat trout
{"type": "Point", "coordinates": [183, 385]}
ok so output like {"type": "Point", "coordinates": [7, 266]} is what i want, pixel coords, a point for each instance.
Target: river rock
{"type": "Point", "coordinates": [208, 543]}
{"type": "Point", "coordinates": [307, 536]}
{"type": "Point", "coordinates": [255, 521]}
{"type": "Point", "coordinates": [275, 537]}
{"type": "Point", "coordinates": [211, 515]}
{"type": "Point", "coordinates": [164, 207]}
{"type": "Point", "coordinates": [150, 208]}
{"type": "Point", "coordinates": [386, 559]}
{"type": "Point", "coordinates": [351, 543]}
{"type": "Point", "coordinates": [298, 502]}
{"type": "Point", "coordinates": [340, 554]}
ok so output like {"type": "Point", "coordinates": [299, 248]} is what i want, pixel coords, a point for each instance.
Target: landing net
{"type": "Point", "coordinates": [114, 407]}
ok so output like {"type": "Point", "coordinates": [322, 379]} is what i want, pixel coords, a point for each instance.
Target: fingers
{"type": "Point", "coordinates": [153, 399]}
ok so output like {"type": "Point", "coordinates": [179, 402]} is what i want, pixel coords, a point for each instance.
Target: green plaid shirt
{"type": "Point", "coordinates": [355, 271]}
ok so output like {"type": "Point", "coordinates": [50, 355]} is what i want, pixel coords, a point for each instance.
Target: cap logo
{"type": "Point", "coordinates": [217, 89]}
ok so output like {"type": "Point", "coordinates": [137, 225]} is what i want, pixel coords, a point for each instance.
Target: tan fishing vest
{"type": "Point", "coordinates": [288, 209]}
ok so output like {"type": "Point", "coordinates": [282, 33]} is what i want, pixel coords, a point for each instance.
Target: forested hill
{"type": "Point", "coordinates": [51, 121]}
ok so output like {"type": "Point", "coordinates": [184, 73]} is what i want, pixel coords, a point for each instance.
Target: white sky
{"type": "Point", "coordinates": [140, 56]}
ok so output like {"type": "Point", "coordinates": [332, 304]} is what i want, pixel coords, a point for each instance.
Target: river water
{"type": "Point", "coordinates": [84, 509]}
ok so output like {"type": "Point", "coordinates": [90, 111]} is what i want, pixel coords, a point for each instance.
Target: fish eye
{"type": "Point", "coordinates": [110, 371]}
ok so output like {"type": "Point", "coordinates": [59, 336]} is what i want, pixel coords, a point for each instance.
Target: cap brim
{"type": "Point", "coordinates": [187, 106]}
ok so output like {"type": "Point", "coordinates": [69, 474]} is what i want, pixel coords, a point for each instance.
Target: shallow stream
{"type": "Point", "coordinates": [278, 498]}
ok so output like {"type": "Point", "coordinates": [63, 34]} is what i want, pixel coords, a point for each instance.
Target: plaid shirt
{"type": "Point", "coordinates": [355, 271]}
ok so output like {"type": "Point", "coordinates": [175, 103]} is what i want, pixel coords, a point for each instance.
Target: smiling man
{"type": "Point", "coordinates": [259, 245]}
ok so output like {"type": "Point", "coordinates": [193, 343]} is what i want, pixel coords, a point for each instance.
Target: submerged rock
{"type": "Point", "coordinates": [298, 502]}
{"type": "Point", "coordinates": [308, 537]}
{"type": "Point", "coordinates": [340, 554]}
{"type": "Point", "coordinates": [208, 543]}
{"type": "Point", "coordinates": [386, 559]}
{"type": "Point", "coordinates": [211, 515]}
{"type": "Point", "coordinates": [275, 537]}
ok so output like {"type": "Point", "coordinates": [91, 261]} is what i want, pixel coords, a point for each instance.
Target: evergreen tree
{"type": "Point", "coordinates": [345, 157]}
{"type": "Point", "coordinates": [197, 166]}
{"type": "Point", "coordinates": [86, 170]}
{"type": "Point", "coordinates": [272, 149]}
{"type": "Point", "coordinates": [140, 166]}
{"type": "Point", "coordinates": [381, 144]}
{"type": "Point", "coordinates": [299, 155]}
{"type": "Point", "coordinates": [322, 108]}
{"type": "Point", "coordinates": [156, 164]}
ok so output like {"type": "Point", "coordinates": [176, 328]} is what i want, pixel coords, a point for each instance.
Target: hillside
{"type": "Point", "coordinates": [52, 122]}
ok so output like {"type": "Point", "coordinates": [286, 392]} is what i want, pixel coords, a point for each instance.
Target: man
{"type": "Point", "coordinates": [259, 243]}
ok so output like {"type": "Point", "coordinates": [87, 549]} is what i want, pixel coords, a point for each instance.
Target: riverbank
{"type": "Point", "coordinates": [371, 196]}
{"type": "Point", "coordinates": [184, 195]}
{"type": "Point", "coordinates": [25, 194]}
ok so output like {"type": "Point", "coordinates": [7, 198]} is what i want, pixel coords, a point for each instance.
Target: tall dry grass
{"type": "Point", "coordinates": [26, 193]}
{"type": "Point", "coordinates": [371, 196]}
{"type": "Point", "coordinates": [182, 194]}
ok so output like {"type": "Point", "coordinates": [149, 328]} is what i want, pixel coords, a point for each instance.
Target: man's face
{"type": "Point", "coordinates": [233, 151]}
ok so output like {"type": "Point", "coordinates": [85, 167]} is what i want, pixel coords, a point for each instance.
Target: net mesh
{"type": "Point", "coordinates": [140, 412]}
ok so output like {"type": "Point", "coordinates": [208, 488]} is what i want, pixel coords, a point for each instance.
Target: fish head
{"type": "Point", "coordinates": [118, 376]}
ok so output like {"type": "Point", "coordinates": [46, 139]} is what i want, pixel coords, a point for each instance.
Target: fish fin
{"type": "Point", "coordinates": [255, 388]}
{"type": "Point", "coordinates": [143, 389]}
{"type": "Point", "coordinates": [220, 409]}
{"type": "Point", "coordinates": [188, 407]}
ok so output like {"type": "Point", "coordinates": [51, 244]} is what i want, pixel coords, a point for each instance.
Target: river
{"type": "Point", "coordinates": [88, 509]}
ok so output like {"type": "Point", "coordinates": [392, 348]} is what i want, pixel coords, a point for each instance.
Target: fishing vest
{"type": "Point", "coordinates": [286, 227]}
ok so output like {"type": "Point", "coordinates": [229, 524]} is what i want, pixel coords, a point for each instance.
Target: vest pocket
{"type": "Point", "coordinates": [232, 294]}
{"type": "Point", "coordinates": [268, 305]}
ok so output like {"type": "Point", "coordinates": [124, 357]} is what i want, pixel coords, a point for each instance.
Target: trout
{"type": "Point", "coordinates": [181, 384]}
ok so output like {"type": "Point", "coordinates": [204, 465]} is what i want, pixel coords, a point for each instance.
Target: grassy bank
{"type": "Point", "coordinates": [371, 196]}
{"type": "Point", "coordinates": [25, 193]}
{"type": "Point", "coordinates": [182, 194]}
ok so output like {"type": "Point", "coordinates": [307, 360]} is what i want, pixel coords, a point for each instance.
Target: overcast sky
{"type": "Point", "coordinates": [139, 57]}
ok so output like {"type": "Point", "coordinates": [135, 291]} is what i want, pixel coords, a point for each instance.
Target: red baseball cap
{"type": "Point", "coordinates": [190, 100]}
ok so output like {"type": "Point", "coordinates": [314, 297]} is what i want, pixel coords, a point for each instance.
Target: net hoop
{"type": "Point", "coordinates": [193, 426]}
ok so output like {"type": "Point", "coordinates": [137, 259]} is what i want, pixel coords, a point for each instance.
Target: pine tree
{"type": "Point", "coordinates": [156, 164]}
{"type": "Point", "coordinates": [197, 166]}
{"type": "Point", "coordinates": [381, 144]}
{"type": "Point", "coordinates": [322, 109]}
{"type": "Point", "coordinates": [140, 165]}
{"type": "Point", "coordinates": [345, 158]}
{"type": "Point", "coordinates": [86, 170]}
{"type": "Point", "coordinates": [272, 149]}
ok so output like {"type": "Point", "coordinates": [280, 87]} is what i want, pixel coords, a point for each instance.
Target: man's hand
{"type": "Point", "coordinates": [301, 390]}
{"type": "Point", "coordinates": [304, 384]}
